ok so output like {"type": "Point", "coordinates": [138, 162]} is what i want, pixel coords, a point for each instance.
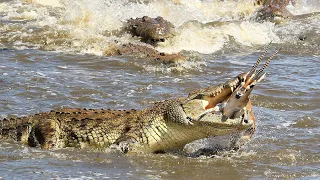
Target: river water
{"type": "Point", "coordinates": [52, 57]}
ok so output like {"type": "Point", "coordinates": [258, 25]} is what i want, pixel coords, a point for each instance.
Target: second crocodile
{"type": "Point", "coordinates": [150, 31]}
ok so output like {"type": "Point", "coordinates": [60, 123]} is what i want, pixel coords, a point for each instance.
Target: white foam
{"type": "Point", "coordinates": [40, 73]}
{"type": "Point", "coordinates": [195, 38]}
{"type": "Point", "coordinates": [210, 39]}
{"type": "Point", "coordinates": [175, 68]}
{"type": "Point", "coordinates": [85, 26]}
{"type": "Point", "coordinates": [53, 3]}
{"type": "Point", "coordinates": [304, 7]}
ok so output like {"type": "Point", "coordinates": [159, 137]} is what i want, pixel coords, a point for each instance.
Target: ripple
{"type": "Point", "coordinates": [307, 122]}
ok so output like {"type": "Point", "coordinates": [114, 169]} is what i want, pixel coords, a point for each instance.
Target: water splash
{"type": "Point", "coordinates": [304, 7]}
{"type": "Point", "coordinates": [84, 26]}
{"type": "Point", "coordinates": [87, 27]}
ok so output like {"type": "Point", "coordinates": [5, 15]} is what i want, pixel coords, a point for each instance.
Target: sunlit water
{"type": "Point", "coordinates": [52, 57]}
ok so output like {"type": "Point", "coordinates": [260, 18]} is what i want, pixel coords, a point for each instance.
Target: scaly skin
{"type": "Point", "coordinates": [215, 94]}
{"type": "Point", "coordinates": [150, 29]}
{"type": "Point", "coordinates": [158, 128]}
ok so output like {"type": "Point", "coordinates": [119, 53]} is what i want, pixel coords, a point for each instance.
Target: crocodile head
{"type": "Point", "coordinates": [177, 135]}
{"type": "Point", "coordinates": [232, 141]}
{"type": "Point", "coordinates": [215, 119]}
{"type": "Point", "coordinates": [150, 29]}
{"type": "Point", "coordinates": [274, 11]}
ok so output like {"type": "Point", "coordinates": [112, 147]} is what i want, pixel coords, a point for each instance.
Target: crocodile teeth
{"type": "Point", "coordinates": [231, 89]}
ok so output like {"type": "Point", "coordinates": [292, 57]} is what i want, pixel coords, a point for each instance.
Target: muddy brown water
{"type": "Point", "coordinates": [285, 145]}
{"type": "Point", "coordinates": [69, 71]}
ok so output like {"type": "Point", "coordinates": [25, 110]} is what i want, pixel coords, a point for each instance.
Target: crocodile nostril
{"type": "Point", "coordinates": [245, 121]}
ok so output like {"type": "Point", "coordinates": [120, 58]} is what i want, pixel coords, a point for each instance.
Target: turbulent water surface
{"type": "Point", "coordinates": [52, 56]}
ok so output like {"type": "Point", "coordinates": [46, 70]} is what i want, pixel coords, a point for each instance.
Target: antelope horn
{"type": "Point", "coordinates": [253, 69]}
{"type": "Point", "coordinates": [260, 73]}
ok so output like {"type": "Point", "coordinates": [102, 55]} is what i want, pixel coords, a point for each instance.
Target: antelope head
{"type": "Point", "coordinates": [240, 96]}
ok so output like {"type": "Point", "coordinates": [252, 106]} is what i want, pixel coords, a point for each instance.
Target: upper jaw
{"type": "Point", "coordinates": [243, 121]}
{"type": "Point", "coordinates": [195, 107]}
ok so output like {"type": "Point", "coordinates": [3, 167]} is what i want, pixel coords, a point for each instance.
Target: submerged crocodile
{"type": "Point", "coordinates": [214, 111]}
{"type": "Point", "coordinates": [145, 51]}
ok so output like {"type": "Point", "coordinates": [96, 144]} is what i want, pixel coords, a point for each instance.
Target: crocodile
{"type": "Point", "coordinates": [272, 10]}
{"type": "Point", "coordinates": [168, 124]}
{"type": "Point", "coordinates": [155, 129]}
{"type": "Point", "coordinates": [150, 31]}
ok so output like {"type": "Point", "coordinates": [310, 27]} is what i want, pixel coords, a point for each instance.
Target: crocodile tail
{"type": "Point", "coordinates": [17, 129]}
